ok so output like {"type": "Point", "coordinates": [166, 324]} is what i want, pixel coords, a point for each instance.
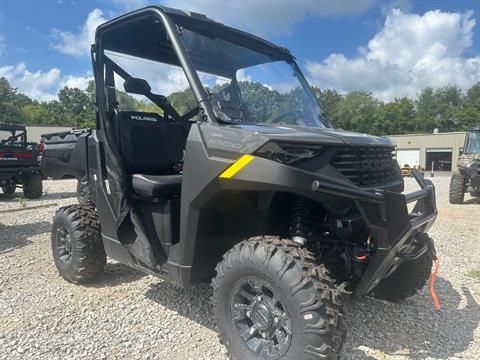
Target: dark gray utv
{"type": "Point", "coordinates": [259, 195]}
{"type": "Point", "coordinates": [467, 179]}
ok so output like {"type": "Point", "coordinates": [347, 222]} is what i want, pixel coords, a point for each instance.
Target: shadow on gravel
{"type": "Point", "coordinates": [116, 274]}
{"type": "Point", "coordinates": [17, 236]}
{"type": "Point", "coordinates": [475, 200]}
{"type": "Point", "coordinates": [59, 195]}
{"type": "Point", "coordinates": [194, 303]}
{"type": "Point", "coordinates": [413, 329]}
{"type": "Point", "coordinates": [50, 196]}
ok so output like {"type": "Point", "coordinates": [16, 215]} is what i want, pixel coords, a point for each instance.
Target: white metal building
{"type": "Point", "coordinates": [34, 132]}
{"type": "Point", "coordinates": [438, 149]}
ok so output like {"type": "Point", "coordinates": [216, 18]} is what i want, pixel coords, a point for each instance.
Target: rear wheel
{"type": "Point", "coordinates": [272, 300]}
{"type": "Point", "coordinates": [408, 278]}
{"type": "Point", "coordinates": [9, 189]}
{"type": "Point", "coordinates": [457, 189]}
{"type": "Point", "coordinates": [77, 243]}
{"type": "Point", "coordinates": [32, 186]}
{"type": "Point", "coordinates": [84, 192]}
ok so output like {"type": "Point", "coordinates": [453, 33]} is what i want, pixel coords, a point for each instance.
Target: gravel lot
{"type": "Point", "coordinates": [128, 315]}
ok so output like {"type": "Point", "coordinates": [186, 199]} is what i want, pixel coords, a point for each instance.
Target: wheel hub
{"type": "Point", "coordinates": [64, 245]}
{"type": "Point", "coordinates": [262, 316]}
{"type": "Point", "coordinates": [68, 243]}
{"type": "Point", "coordinates": [261, 319]}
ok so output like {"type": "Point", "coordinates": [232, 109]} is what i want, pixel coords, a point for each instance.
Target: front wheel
{"type": "Point", "coordinates": [272, 300]}
{"type": "Point", "coordinates": [457, 189]}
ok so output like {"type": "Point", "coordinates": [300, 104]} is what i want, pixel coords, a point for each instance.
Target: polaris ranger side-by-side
{"type": "Point", "coordinates": [19, 162]}
{"type": "Point", "coordinates": [249, 187]}
{"type": "Point", "coordinates": [467, 179]}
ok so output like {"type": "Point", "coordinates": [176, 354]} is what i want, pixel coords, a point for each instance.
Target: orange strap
{"type": "Point", "coordinates": [436, 303]}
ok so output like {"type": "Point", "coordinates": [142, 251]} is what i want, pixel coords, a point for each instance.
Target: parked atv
{"type": "Point", "coordinates": [19, 162]}
{"type": "Point", "coordinates": [467, 179]}
{"type": "Point", "coordinates": [251, 188]}
{"type": "Point", "coordinates": [406, 170]}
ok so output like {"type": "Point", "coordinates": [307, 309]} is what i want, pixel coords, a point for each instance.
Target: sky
{"type": "Point", "coordinates": [391, 48]}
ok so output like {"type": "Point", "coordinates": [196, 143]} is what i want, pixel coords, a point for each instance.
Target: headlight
{"type": "Point", "coordinates": [288, 153]}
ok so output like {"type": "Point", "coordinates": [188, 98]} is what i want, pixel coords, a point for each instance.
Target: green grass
{"type": "Point", "coordinates": [475, 274]}
{"type": "Point", "coordinates": [22, 202]}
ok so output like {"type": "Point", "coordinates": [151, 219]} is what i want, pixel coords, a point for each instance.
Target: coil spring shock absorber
{"type": "Point", "coordinates": [301, 225]}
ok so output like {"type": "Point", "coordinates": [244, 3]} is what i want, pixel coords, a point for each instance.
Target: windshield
{"type": "Point", "coordinates": [247, 86]}
{"type": "Point", "coordinates": [472, 142]}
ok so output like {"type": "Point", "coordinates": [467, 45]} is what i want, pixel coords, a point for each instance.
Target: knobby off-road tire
{"type": "Point", "coordinates": [77, 244]}
{"type": "Point", "coordinates": [32, 186]}
{"type": "Point", "coordinates": [267, 281]}
{"type": "Point", "coordinates": [9, 189]}
{"type": "Point", "coordinates": [457, 189]}
{"type": "Point", "coordinates": [84, 192]}
{"type": "Point", "coordinates": [408, 278]}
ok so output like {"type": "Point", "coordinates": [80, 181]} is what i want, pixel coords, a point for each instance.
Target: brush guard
{"type": "Point", "coordinates": [394, 228]}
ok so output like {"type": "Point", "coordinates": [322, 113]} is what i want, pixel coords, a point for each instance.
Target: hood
{"type": "Point", "coordinates": [316, 135]}
{"type": "Point", "coordinates": [230, 140]}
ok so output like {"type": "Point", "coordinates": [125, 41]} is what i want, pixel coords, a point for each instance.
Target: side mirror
{"type": "Point", "coordinates": [137, 86]}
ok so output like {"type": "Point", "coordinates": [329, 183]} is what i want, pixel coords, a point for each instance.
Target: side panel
{"type": "Point", "coordinates": [65, 154]}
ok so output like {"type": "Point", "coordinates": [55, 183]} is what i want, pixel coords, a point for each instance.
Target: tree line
{"type": "Point", "coordinates": [447, 108]}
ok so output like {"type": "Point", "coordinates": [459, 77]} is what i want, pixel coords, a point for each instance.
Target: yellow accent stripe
{"type": "Point", "coordinates": [236, 166]}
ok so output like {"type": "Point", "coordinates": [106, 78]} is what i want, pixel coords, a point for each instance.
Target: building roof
{"type": "Point", "coordinates": [429, 134]}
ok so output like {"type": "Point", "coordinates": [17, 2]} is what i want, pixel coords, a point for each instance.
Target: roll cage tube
{"type": "Point", "coordinates": [14, 137]}
{"type": "Point", "coordinates": [191, 74]}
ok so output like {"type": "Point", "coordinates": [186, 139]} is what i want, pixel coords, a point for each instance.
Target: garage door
{"type": "Point", "coordinates": [440, 159]}
{"type": "Point", "coordinates": [408, 157]}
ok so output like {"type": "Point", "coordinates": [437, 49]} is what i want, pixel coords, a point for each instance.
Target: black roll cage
{"type": "Point", "coordinates": [13, 129]}
{"type": "Point", "coordinates": [164, 15]}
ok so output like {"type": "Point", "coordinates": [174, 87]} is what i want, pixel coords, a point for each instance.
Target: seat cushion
{"type": "Point", "coordinates": [157, 185]}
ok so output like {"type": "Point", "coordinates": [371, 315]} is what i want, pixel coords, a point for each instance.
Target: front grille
{"type": "Point", "coordinates": [366, 165]}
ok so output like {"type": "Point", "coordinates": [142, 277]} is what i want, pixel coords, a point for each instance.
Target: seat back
{"type": "Point", "coordinates": [149, 143]}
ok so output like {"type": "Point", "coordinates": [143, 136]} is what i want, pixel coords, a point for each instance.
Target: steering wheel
{"type": "Point", "coordinates": [284, 115]}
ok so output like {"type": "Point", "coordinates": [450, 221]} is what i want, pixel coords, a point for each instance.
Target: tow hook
{"type": "Point", "coordinates": [436, 302]}
{"type": "Point", "coordinates": [436, 267]}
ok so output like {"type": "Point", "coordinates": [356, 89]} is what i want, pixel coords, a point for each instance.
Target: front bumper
{"type": "Point", "coordinates": [392, 226]}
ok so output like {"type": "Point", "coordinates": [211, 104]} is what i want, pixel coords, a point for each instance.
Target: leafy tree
{"type": "Point", "coordinates": [426, 115]}
{"type": "Point", "coordinates": [397, 117]}
{"type": "Point", "coordinates": [446, 108]}
{"type": "Point", "coordinates": [329, 100]}
{"type": "Point", "coordinates": [9, 109]}
{"type": "Point", "coordinates": [183, 101]}
{"type": "Point", "coordinates": [356, 112]}
{"type": "Point", "coordinates": [469, 112]}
